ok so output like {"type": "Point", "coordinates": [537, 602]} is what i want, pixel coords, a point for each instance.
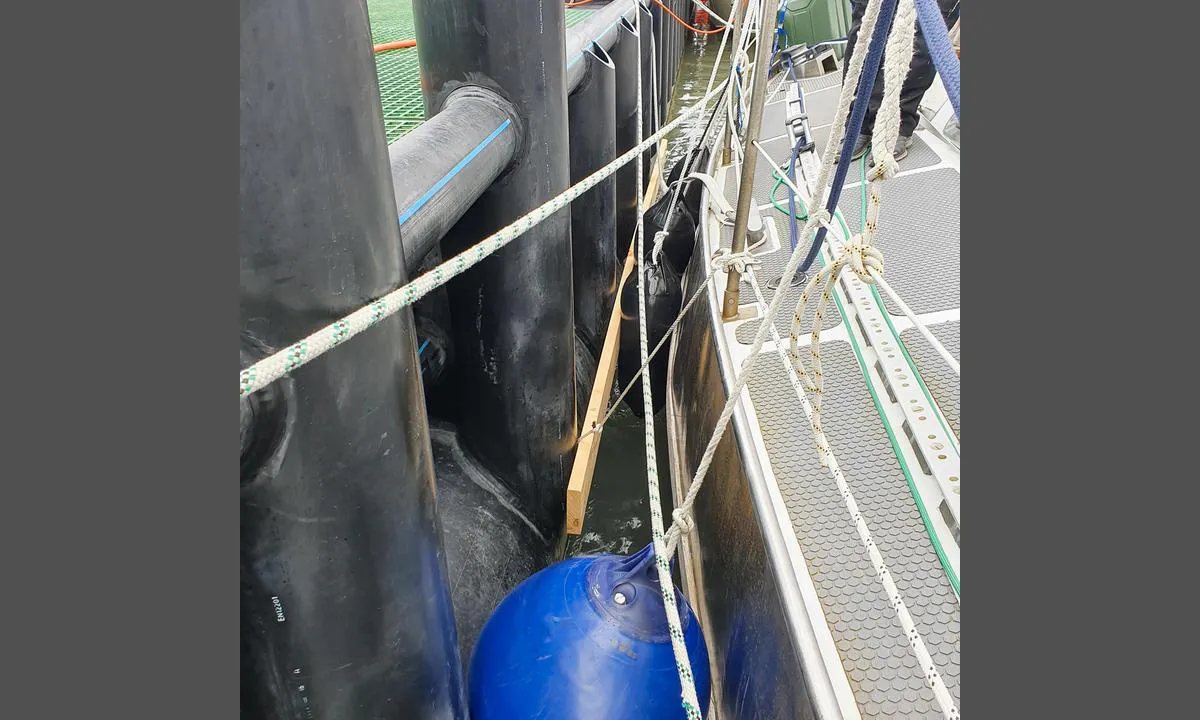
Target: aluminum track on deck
{"type": "Point", "coordinates": [938, 377]}
{"type": "Point", "coordinates": [919, 237]}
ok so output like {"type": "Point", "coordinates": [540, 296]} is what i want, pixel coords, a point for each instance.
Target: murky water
{"type": "Point", "coordinates": [618, 515]}
{"type": "Point", "coordinates": [695, 66]}
{"type": "Point", "coordinates": [618, 509]}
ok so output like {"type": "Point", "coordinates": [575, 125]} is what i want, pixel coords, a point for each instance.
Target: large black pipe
{"type": "Point", "coordinates": [625, 54]}
{"type": "Point", "coordinates": [668, 43]}
{"type": "Point", "coordinates": [445, 163]}
{"type": "Point", "coordinates": [442, 166]}
{"type": "Point", "coordinates": [592, 109]}
{"type": "Point", "coordinates": [513, 324]}
{"type": "Point", "coordinates": [345, 611]}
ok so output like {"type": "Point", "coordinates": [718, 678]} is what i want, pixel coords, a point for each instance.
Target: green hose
{"type": "Point", "coordinates": [803, 207]}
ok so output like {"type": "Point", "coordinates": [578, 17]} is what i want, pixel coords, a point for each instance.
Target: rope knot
{"type": "Point", "coordinates": [822, 218]}
{"type": "Point", "coordinates": [885, 168]}
{"type": "Point", "coordinates": [723, 259]}
{"type": "Point", "coordinates": [683, 521]}
{"type": "Point", "coordinates": [864, 259]}
{"type": "Point", "coordinates": [660, 237]}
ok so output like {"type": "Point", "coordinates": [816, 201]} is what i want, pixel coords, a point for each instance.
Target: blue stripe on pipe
{"type": "Point", "coordinates": [412, 209]}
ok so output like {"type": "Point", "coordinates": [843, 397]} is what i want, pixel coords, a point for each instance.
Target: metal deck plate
{"type": "Point", "coordinates": [883, 671]}
{"type": "Point", "coordinates": [771, 269]}
{"type": "Point", "coordinates": [819, 83]}
{"type": "Point", "coordinates": [773, 118]}
{"type": "Point", "coordinates": [918, 234]}
{"type": "Point", "coordinates": [822, 105]}
{"type": "Point", "coordinates": [939, 378]}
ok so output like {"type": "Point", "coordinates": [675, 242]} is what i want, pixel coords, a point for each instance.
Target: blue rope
{"type": "Point", "coordinates": [780, 33]}
{"type": "Point", "coordinates": [937, 37]}
{"type": "Point", "coordinates": [865, 84]}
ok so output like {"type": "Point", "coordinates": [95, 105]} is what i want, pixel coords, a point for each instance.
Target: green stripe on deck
{"type": "Point", "coordinates": [398, 71]}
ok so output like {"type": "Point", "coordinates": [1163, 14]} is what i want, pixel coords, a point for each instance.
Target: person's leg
{"type": "Point", "coordinates": [857, 8]}
{"type": "Point", "coordinates": [921, 73]}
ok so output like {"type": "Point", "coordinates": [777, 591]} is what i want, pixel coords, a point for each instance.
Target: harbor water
{"type": "Point", "coordinates": [617, 519]}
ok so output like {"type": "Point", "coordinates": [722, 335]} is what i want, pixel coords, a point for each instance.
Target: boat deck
{"type": "Point", "coordinates": [891, 413]}
{"type": "Point", "coordinates": [399, 70]}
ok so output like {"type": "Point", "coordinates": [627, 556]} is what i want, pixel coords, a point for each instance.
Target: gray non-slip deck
{"type": "Point", "coordinates": [887, 680]}
{"type": "Point", "coordinates": [919, 237]}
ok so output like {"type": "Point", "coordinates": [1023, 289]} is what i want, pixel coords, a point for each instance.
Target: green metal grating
{"type": "Point", "coordinates": [398, 71]}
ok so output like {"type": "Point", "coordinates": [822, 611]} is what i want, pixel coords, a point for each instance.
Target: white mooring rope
{"type": "Point", "coordinates": [271, 368]}
{"type": "Point", "coordinates": [662, 562]}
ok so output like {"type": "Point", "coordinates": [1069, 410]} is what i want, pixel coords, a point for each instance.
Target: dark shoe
{"type": "Point", "coordinates": [861, 146]}
{"type": "Point", "coordinates": [903, 143]}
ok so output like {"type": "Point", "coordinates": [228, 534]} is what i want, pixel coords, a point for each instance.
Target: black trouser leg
{"type": "Point", "coordinates": [857, 9]}
{"type": "Point", "coordinates": [920, 71]}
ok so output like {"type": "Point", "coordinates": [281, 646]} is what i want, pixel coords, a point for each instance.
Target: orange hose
{"type": "Point", "coordinates": [577, 4]}
{"type": "Point", "coordinates": [395, 45]}
{"type": "Point", "coordinates": [689, 27]}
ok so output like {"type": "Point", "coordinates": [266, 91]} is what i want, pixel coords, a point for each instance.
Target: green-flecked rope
{"type": "Point", "coordinates": [662, 561]}
{"type": "Point", "coordinates": [269, 369]}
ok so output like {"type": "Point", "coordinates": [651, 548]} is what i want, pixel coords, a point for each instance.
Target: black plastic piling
{"type": "Point", "coordinates": [649, 100]}
{"type": "Point", "coordinates": [592, 112]}
{"type": "Point", "coordinates": [672, 40]}
{"type": "Point", "coordinates": [677, 40]}
{"type": "Point", "coordinates": [512, 315]}
{"type": "Point", "coordinates": [661, 49]}
{"type": "Point", "coordinates": [601, 27]}
{"type": "Point", "coordinates": [624, 55]}
{"type": "Point", "coordinates": [668, 39]}
{"type": "Point", "coordinates": [345, 611]}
